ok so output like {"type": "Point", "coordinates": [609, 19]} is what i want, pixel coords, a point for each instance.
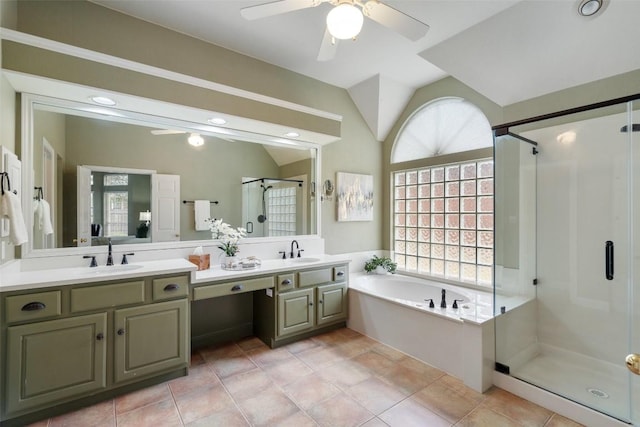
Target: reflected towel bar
{"type": "Point", "coordinates": [215, 202]}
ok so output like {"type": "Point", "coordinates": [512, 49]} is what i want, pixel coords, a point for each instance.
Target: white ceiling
{"type": "Point", "coordinates": [508, 50]}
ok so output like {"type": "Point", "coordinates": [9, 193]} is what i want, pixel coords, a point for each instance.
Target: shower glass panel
{"type": "Point", "coordinates": [273, 207]}
{"type": "Point", "coordinates": [634, 290]}
{"type": "Point", "coordinates": [565, 276]}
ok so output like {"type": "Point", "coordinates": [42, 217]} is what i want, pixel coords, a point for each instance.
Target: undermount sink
{"type": "Point", "coordinates": [110, 269]}
{"type": "Point", "coordinates": [304, 259]}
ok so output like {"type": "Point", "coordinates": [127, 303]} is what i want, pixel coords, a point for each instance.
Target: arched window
{"type": "Point", "coordinates": [443, 210]}
{"type": "Point", "coordinates": [443, 126]}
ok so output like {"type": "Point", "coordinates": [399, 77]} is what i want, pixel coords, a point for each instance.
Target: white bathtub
{"type": "Point", "coordinates": [391, 309]}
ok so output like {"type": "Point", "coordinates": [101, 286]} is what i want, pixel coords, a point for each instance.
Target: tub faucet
{"type": "Point", "coordinates": [443, 302]}
{"type": "Point", "coordinates": [110, 254]}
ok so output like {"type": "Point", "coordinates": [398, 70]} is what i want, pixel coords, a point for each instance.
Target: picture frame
{"type": "Point", "coordinates": [354, 197]}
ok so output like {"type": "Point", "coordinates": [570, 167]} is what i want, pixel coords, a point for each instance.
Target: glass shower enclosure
{"type": "Point", "coordinates": [567, 263]}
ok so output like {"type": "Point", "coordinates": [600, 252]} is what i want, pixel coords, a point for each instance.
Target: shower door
{"type": "Point", "coordinates": [571, 334]}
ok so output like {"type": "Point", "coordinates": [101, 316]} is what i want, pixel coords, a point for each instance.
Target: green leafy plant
{"type": "Point", "coordinates": [383, 262]}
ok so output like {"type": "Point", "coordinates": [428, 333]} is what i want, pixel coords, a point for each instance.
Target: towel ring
{"type": "Point", "coordinates": [2, 179]}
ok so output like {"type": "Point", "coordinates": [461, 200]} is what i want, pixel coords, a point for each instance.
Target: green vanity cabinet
{"type": "Point", "coordinates": [295, 311]}
{"type": "Point", "coordinates": [332, 303]}
{"type": "Point", "coordinates": [150, 338]}
{"type": "Point", "coordinates": [304, 302]}
{"type": "Point", "coordinates": [56, 359]}
{"type": "Point", "coordinates": [65, 346]}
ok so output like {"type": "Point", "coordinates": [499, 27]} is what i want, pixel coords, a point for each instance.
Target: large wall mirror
{"type": "Point", "coordinates": [97, 170]}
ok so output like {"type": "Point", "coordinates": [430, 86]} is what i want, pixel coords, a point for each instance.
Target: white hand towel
{"type": "Point", "coordinates": [202, 210]}
{"type": "Point", "coordinates": [42, 218]}
{"type": "Point", "coordinates": [10, 208]}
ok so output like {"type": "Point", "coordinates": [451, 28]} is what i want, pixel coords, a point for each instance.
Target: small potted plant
{"type": "Point", "coordinates": [380, 265]}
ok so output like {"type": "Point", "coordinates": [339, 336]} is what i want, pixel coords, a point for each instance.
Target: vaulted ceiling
{"type": "Point", "coordinates": [507, 50]}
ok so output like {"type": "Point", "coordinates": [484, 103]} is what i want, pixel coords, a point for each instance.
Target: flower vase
{"type": "Point", "coordinates": [230, 262]}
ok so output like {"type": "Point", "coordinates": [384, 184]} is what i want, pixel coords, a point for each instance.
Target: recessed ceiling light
{"type": "Point", "coordinates": [589, 7]}
{"type": "Point", "coordinates": [103, 100]}
{"type": "Point", "coordinates": [292, 134]}
{"type": "Point", "coordinates": [217, 121]}
{"type": "Point", "coordinates": [195, 139]}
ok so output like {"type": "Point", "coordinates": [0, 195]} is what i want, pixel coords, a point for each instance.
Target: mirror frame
{"type": "Point", "coordinates": [28, 101]}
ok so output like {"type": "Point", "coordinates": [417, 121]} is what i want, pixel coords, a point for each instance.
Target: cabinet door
{"type": "Point", "coordinates": [295, 311]}
{"type": "Point", "coordinates": [55, 360]}
{"type": "Point", "coordinates": [150, 339]}
{"type": "Point", "coordinates": [332, 303]}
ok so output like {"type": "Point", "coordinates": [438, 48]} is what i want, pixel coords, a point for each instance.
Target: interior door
{"type": "Point", "coordinates": [165, 211]}
{"type": "Point", "coordinates": [83, 214]}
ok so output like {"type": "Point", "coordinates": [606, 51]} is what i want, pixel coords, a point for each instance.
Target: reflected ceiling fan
{"type": "Point", "coordinates": [345, 20]}
{"type": "Point", "coordinates": [194, 138]}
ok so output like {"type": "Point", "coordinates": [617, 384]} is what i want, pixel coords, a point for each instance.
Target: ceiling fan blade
{"type": "Point", "coordinates": [275, 8]}
{"type": "Point", "coordinates": [166, 131]}
{"type": "Point", "coordinates": [398, 21]}
{"type": "Point", "coordinates": [328, 48]}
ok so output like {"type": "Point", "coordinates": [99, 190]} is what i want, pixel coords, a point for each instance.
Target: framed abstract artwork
{"type": "Point", "coordinates": [354, 194]}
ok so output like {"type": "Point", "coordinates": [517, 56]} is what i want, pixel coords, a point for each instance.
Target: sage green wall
{"type": "Point", "coordinates": [213, 171]}
{"type": "Point", "coordinates": [90, 26]}
{"type": "Point", "coordinates": [8, 19]}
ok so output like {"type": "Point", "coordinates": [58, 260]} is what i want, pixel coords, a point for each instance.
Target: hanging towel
{"type": "Point", "coordinates": [10, 208]}
{"type": "Point", "coordinates": [42, 213]}
{"type": "Point", "coordinates": [202, 210]}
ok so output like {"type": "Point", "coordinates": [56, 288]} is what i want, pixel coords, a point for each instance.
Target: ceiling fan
{"type": "Point", "coordinates": [345, 20]}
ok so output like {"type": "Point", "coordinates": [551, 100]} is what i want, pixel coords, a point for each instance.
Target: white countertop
{"type": "Point", "coordinates": [268, 266]}
{"type": "Point", "coordinates": [24, 280]}
{"type": "Point", "coordinates": [37, 279]}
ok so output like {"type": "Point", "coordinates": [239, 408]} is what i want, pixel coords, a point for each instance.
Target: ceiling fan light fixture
{"type": "Point", "coordinates": [344, 21]}
{"type": "Point", "coordinates": [195, 140]}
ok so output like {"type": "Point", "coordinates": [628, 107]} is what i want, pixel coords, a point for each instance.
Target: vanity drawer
{"type": "Point", "coordinates": [315, 277]}
{"type": "Point", "coordinates": [170, 287]}
{"type": "Point", "coordinates": [340, 273]}
{"type": "Point", "coordinates": [33, 306]}
{"type": "Point", "coordinates": [286, 282]}
{"type": "Point", "coordinates": [106, 296]}
{"type": "Point", "coordinates": [237, 287]}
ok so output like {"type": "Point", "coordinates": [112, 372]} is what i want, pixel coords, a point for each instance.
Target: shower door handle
{"type": "Point", "coordinates": [608, 262]}
{"type": "Point", "coordinates": [633, 363]}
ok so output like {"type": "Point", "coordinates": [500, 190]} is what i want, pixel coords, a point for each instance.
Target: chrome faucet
{"type": "Point", "coordinates": [291, 255]}
{"type": "Point", "coordinates": [443, 302]}
{"type": "Point", "coordinates": [110, 254]}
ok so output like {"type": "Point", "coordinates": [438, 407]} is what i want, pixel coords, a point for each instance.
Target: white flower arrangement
{"type": "Point", "coordinates": [228, 236]}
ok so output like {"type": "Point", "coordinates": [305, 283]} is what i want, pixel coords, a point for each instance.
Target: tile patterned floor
{"type": "Point", "coordinates": [337, 379]}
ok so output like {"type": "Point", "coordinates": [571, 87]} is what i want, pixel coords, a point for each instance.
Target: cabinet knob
{"type": "Point", "coordinates": [320, 302]}
{"type": "Point", "coordinates": [172, 287]}
{"type": "Point", "coordinates": [100, 336]}
{"type": "Point", "coordinates": [311, 303]}
{"type": "Point", "coordinates": [286, 282]}
{"type": "Point", "coordinates": [34, 306]}
{"type": "Point", "coordinates": [236, 288]}
{"type": "Point", "coordinates": [121, 331]}
{"type": "Point", "coordinates": [340, 273]}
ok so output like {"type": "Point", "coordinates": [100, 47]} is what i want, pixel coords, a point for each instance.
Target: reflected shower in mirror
{"type": "Point", "coordinates": [275, 207]}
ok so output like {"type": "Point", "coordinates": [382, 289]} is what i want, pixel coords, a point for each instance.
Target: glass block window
{"type": "Point", "coordinates": [117, 179]}
{"type": "Point", "coordinates": [281, 211]}
{"type": "Point", "coordinates": [443, 221]}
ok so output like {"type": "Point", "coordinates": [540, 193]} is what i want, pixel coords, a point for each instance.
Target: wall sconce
{"type": "Point", "coordinates": [327, 189]}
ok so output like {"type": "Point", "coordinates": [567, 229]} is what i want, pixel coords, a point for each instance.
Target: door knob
{"type": "Point", "coordinates": [633, 363]}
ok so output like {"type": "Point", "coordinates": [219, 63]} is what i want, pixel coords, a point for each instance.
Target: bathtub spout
{"type": "Point", "coordinates": [443, 302]}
